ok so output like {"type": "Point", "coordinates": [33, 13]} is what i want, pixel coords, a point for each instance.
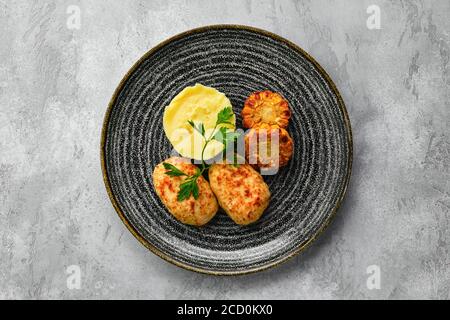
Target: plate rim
{"type": "Point", "coordinates": [303, 246]}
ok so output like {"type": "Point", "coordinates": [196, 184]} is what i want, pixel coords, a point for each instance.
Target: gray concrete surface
{"type": "Point", "coordinates": [55, 83]}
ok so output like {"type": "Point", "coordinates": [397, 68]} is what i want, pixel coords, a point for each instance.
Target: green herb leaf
{"type": "Point", "coordinates": [220, 134]}
{"type": "Point", "coordinates": [224, 116]}
{"type": "Point", "coordinates": [172, 170]}
{"type": "Point", "coordinates": [202, 129]}
{"type": "Point", "coordinates": [195, 190]}
{"type": "Point", "coordinates": [226, 136]}
{"type": "Point", "coordinates": [188, 187]}
{"type": "Point", "coordinates": [199, 127]}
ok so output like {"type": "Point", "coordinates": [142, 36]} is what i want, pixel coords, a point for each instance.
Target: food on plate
{"type": "Point", "coordinates": [268, 146]}
{"type": "Point", "coordinates": [169, 180]}
{"type": "Point", "coordinates": [219, 134]}
{"type": "Point", "coordinates": [193, 111]}
{"type": "Point", "coordinates": [200, 124]}
{"type": "Point", "coordinates": [240, 191]}
{"type": "Point", "coordinates": [265, 107]}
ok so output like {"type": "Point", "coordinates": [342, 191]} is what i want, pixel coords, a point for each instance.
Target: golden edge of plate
{"type": "Point", "coordinates": [152, 248]}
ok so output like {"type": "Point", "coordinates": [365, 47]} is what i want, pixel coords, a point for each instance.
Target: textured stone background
{"type": "Point", "coordinates": [55, 84]}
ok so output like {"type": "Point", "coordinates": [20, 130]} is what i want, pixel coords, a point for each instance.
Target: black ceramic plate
{"type": "Point", "coordinates": [236, 60]}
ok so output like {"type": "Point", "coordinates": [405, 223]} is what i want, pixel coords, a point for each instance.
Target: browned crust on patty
{"type": "Point", "coordinates": [191, 211]}
{"type": "Point", "coordinates": [241, 191]}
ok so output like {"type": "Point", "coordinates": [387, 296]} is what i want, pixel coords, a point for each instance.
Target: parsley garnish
{"type": "Point", "coordinates": [172, 170]}
{"type": "Point", "coordinates": [224, 116]}
{"type": "Point", "coordinates": [189, 185]}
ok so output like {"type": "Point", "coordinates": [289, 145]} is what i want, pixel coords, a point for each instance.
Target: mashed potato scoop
{"type": "Point", "coordinates": [199, 104]}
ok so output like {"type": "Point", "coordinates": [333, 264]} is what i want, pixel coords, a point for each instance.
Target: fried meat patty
{"type": "Point", "coordinates": [196, 212]}
{"type": "Point", "coordinates": [241, 191]}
